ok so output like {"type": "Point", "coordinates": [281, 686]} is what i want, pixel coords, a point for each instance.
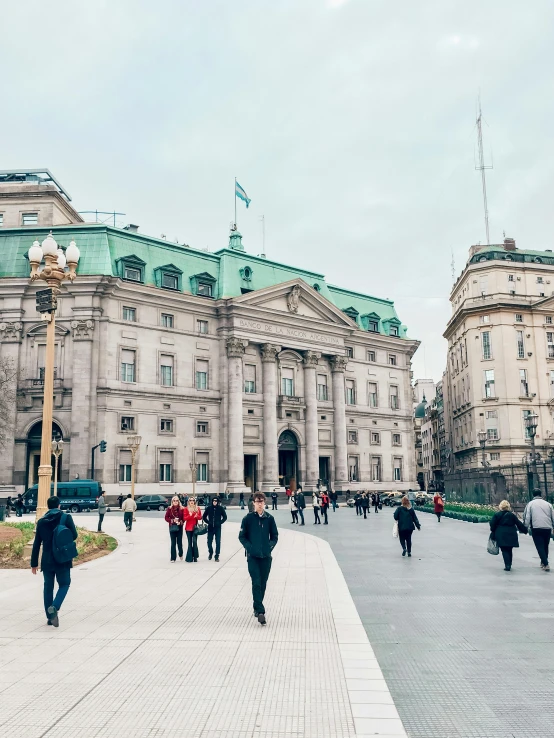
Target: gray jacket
{"type": "Point", "coordinates": [102, 507]}
{"type": "Point", "coordinates": [538, 514]}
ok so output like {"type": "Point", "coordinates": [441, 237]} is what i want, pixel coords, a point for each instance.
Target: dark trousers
{"type": "Point", "coordinates": [405, 537]}
{"type": "Point", "coordinates": [192, 548]}
{"type": "Point", "coordinates": [274, 504]}
{"type": "Point", "coordinates": [100, 521]}
{"type": "Point", "coordinates": [316, 516]}
{"type": "Point", "coordinates": [541, 539]}
{"type": "Point", "coordinates": [214, 533]}
{"type": "Point", "coordinates": [376, 507]}
{"type": "Point", "coordinates": [63, 577]}
{"type": "Point", "coordinates": [334, 504]}
{"type": "Point", "coordinates": [324, 513]}
{"type": "Point", "coordinates": [294, 514]}
{"type": "Point", "coordinates": [18, 512]}
{"type": "Point", "coordinates": [507, 555]}
{"type": "Point", "coordinates": [128, 520]}
{"type": "Point", "coordinates": [358, 508]}
{"type": "Point", "coordinates": [365, 509]}
{"type": "Point", "coordinates": [438, 514]}
{"type": "Point", "coordinates": [301, 513]}
{"type": "Point", "coordinates": [259, 574]}
{"type": "Point", "coordinates": [176, 543]}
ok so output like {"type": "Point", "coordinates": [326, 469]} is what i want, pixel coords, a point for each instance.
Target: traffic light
{"type": "Point", "coordinates": [103, 445]}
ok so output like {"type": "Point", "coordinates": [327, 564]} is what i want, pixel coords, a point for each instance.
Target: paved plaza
{"type": "Point", "coordinates": [149, 649]}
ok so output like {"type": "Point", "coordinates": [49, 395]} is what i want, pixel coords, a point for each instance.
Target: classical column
{"type": "Point", "coordinates": [235, 431]}
{"type": "Point", "coordinates": [271, 454]}
{"type": "Point", "coordinates": [310, 397]}
{"type": "Point", "coordinates": [338, 367]}
{"type": "Point", "coordinates": [81, 391]}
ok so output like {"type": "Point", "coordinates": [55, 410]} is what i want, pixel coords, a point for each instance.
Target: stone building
{"type": "Point", "coordinates": [261, 374]}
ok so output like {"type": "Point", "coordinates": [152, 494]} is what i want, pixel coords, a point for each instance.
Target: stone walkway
{"type": "Point", "coordinates": [149, 649]}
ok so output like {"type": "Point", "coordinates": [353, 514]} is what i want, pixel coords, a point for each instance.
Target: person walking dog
{"type": "Point", "coordinates": [504, 526]}
{"type": "Point", "coordinates": [129, 508]}
{"type": "Point", "coordinates": [259, 536]}
{"type": "Point", "coordinates": [538, 517]}
{"type": "Point", "coordinates": [174, 516]}
{"type": "Point", "coordinates": [439, 505]}
{"type": "Point", "coordinates": [214, 516]}
{"type": "Point", "coordinates": [56, 533]}
{"type": "Point", "coordinates": [407, 521]}
{"type": "Point", "coordinates": [102, 510]}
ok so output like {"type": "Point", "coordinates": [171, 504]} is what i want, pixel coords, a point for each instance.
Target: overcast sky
{"type": "Point", "coordinates": [350, 124]}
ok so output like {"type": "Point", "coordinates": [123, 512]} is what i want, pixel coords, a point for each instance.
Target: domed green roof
{"type": "Point", "coordinates": [420, 409]}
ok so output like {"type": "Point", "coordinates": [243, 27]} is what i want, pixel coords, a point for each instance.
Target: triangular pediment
{"type": "Point", "coordinates": [295, 298]}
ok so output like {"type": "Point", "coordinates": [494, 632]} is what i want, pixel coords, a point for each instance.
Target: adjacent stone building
{"type": "Point", "coordinates": [259, 373]}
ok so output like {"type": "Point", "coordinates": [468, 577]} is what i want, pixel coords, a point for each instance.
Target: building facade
{"type": "Point", "coordinates": [258, 373]}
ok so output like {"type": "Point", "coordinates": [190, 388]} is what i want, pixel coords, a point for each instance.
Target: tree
{"type": "Point", "coordinates": [8, 390]}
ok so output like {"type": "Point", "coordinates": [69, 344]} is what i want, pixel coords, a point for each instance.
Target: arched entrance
{"type": "Point", "coordinates": [288, 459]}
{"type": "Point", "coordinates": [34, 439]}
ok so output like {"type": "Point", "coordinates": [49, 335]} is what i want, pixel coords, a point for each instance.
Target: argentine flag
{"type": "Point", "coordinates": [239, 192]}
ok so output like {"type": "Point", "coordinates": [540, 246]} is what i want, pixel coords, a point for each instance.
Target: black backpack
{"type": "Point", "coordinates": [64, 548]}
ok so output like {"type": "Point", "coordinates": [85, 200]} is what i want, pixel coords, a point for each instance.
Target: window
{"type": "Point", "coordinates": [495, 456]}
{"type": "Point", "coordinates": [396, 439]}
{"type": "Point", "coordinates": [397, 469]}
{"type": "Point", "coordinates": [170, 281]}
{"type": "Point", "coordinates": [350, 392]}
{"type": "Point", "coordinates": [1, 219]}
{"type": "Point", "coordinates": [492, 434]}
{"type": "Point", "coordinates": [523, 386]}
{"type": "Point", "coordinates": [394, 397]}
{"type": "Point", "coordinates": [202, 326]}
{"type": "Point", "coordinates": [375, 438]}
{"type": "Point", "coordinates": [551, 383]}
{"type": "Point", "coordinates": [353, 469]}
{"type": "Point", "coordinates": [375, 468]}
{"type": "Point", "coordinates": [287, 382]}
{"type": "Point", "coordinates": [371, 356]}
{"type": "Point", "coordinates": [202, 467]}
{"type": "Point", "coordinates": [352, 436]}
{"type": "Point", "coordinates": [540, 280]}
{"type": "Point", "coordinates": [322, 394]}
{"type": "Point", "coordinates": [393, 330]}
{"type": "Point", "coordinates": [249, 378]}
{"type": "Point", "coordinates": [525, 414]}
{"type": "Point", "coordinates": [489, 383]}
{"type": "Point", "coordinates": [166, 370]}
{"type": "Point", "coordinates": [127, 365]}
{"type": "Point", "coordinates": [127, 423]}
{"type": "Point", "coordinates": [166, 425]}
{"type": "Point", "coordinates": [132, 274]}
{"type": "Point", "coordinates": [373, 399]}
{"type": "Point", "coordinates": [206, 290]}
{"type": "Point", "coordinates": [201, 374]}
{"type": "Point", "coordinates": [519, 318]}
{"type": "Point", "coordinates": [484, 319]}
{"type": "Point", "coordinates": [29, 219]}
{"type": "Point", "coordinates": [166, 466]}
{"type": "Point", "coordinates": [392, 359]}
{"type": "Point", "coordinates": [550, 345]}
{"type": "Point", "coordinates": [491, 414]}
{"type": "Point", "coordinates": [486, 345]}
{"type": "Point", "coordinates": [130, 314]}
{"type": "Point", "coordinates": [201, 428]}
{"type": "Point", "coordinates": [510, 277]}
{"type": "Point", "coordinates": [373, 326]}
{"type": "Point", "coordinates": [548, 319]}
{"type": "Point", "coordinates": [124, 466]}
{"type": "Point", "coordinates": [167, 320]}
{"type": "Point", "coordinates": [350, 352]}
{"type": "Point", "coordinates": [520, 345]}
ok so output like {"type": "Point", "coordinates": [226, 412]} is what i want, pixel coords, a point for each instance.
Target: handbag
{"type": "Point", "coordinates": [492, 546]}
{"type": "Point", "coordinates": [174, 528]}
{"type": "Point", "coordinates": [380, 506]}
{"type": "Point", "coordinates": [200, 529]}
{"type": "Point", "coordinates": [395, 529]}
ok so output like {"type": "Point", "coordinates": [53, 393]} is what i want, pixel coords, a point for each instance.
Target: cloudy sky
{"type": "Point", "coordinates": [350, 123]}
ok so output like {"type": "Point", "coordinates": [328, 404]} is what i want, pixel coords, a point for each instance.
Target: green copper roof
{"type": "Point", "coordinates": [104, 248]}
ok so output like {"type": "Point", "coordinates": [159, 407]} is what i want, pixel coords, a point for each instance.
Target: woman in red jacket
{"type": "Point", "coordinates": [191, 515]}
{"type": "Point", "coordinates": [174, 515]}
{"type": "Point", "coordinates": [439, 506]}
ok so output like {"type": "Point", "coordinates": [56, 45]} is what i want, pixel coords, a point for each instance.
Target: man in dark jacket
{"type": "Point", "coordinates": [214, 515]}
{"type": "Point", "coordinates": [258, 534]}
{"type": "Point", "coordinates": [334, 499]}
{"type": "Point", "coordinates": [274, 498]}
{"type": "Point", "coordinates": [300, 504]}
{"type": "Point", "coordinates": [49, 566]}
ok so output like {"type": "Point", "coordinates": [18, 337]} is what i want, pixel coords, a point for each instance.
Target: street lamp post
{"type": "Point", "coordinates": [531, 423]}
{"type": "Point", "coordinates": [57, 450]}
{"type": "Point", "coordinates": [482, 438]}
{"type": "Point", "coordinates": [193, 471]}
{"type": "Point", "coordinates": [134, 445]}
{"type": "Point", "coordinates": [53, 273]}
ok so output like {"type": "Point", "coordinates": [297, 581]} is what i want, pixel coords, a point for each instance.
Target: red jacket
{"type": "Point", "coordinates": [191, 518]}
{"type": "Point", "coordinates": [439, 504]}
{"type": "Point", "coordinates": [324, 500]}
{"type": "Point", "coordinates": [172, 513]}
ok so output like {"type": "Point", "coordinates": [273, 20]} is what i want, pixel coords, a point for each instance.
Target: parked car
{"type": "Point", "coordinates": [394, 499]}
{"type": "Point", "coordinates": [424, 498]}
{"type": "Point", "coordinates": [152, 502]}
{"type": "Point", "coordinates": [76, 496]}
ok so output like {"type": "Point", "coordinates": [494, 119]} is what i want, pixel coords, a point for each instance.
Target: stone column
{"type": "Point", "coordinates": [10, 340]}
{"type": "Point", "coordinates": [271, 454]}
{"type": "Point", "coordinates": [338, 367]}
{"type": "Point", "coordinates": [235, 473]}
{"type": "Point", "coordinates": [81, 442]}
{"type": "Point", "coordinates": [312, 440]}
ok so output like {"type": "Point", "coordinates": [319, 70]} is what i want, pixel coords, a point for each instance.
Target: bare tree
{"type": "Point", "coordinates": [8, 390]}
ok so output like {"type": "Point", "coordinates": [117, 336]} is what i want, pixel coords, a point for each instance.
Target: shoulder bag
{"type": "Point", "coordinates": [395, 529]}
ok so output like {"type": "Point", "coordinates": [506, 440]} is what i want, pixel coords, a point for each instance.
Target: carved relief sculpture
{"type": "Point", "coordinates": [293, 299]}
{"type": "Point", "coordinates": [82, 329]}
{"type": "Point", "coordinates": [10, 331]}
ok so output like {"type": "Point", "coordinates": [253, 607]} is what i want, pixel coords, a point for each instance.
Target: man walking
{"type": "Point", "coordinates": [274, 500]}
{"type": "Point", "coordinates": [52, 569]}
{"type": "Point", "coordinates": [333, 498]}
{"type": "Point", "coordinates": [300, 504]}
{"type": "Point", "coordinates": [129, 508]}
{"type": "Point", "coordinates": [214, 515]}
{"type": "Point", "coordinates": [258, 534]}
{"type": "Point", "coordinates": [538, 516]}
{"type": "Point", "coordinates": [102, 510]}
{"type": "Point", "coordinates": [412, 498]}
{"type": "Point", "coordinates": [120, 500]}
{"type": "Point", "coordinates": [358, 503]}
{"type": "Point", "coordinates": [325, 507]}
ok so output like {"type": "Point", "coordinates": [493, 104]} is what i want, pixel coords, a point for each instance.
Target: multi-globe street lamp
{"type": "Point", "coordinates": [482, 438]}
{"type": "Point", "coordinates": [531, 423]}
{"type": "Point", "coordinates": [53, 273]}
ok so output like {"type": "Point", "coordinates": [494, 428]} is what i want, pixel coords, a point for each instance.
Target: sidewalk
{"type": "Point", "coordinates": [149, 649]}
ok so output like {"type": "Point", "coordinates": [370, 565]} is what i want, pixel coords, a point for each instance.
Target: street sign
{"type": "Point", "coordinates": [47, 300]}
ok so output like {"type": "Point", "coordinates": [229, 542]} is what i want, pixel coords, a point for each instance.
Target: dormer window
{"type": "Point", "coordinates": [203, 284]}
{"type": "Point", "coordinates": [393, 330]}
{"type": "Point", "coordinates": [131, 268]}
{"type": "Point", "coordinates": [168, 277]}
{"type": "Point", "coordinates": [133, 274]}
{"type": "Point", "coordinates": [205, 289]}
{"type": "Point", "coordinates": [370, 322]}
{"type": "Point", "coordinates": [170, 281]}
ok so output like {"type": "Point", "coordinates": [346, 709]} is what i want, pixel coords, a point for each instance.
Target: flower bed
{"type": "Point", "coordinates": [468, 513]}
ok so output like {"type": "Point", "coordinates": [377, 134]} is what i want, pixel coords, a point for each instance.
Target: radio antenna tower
{"type": "Point", "coordinates": [482, 166]}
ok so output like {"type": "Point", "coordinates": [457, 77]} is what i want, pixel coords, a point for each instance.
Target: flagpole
{"type": "Point", "coordinates": [235, 202]}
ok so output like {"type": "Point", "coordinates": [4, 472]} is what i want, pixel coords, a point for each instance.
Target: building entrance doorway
{"type": "Point", "coordinates": [251, 471]}
{"type": "Point", "coordinates": [324, 470]}
{"type": "Point", "coordinates": [34, 439]}
{"type": "Point", "coordinates": [288, 460]}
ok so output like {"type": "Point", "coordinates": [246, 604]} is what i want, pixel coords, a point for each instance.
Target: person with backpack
{"type": "Point", "coordinates": [102, 509]}
{"type": "Point", "coordinates": [504, 526]}
{"type": "Point", "coordinates": [538, 517]}
{"type": "Point", "coordinates": [56, 533]}
{"type": "Point", "coordinates": [129, 508]}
